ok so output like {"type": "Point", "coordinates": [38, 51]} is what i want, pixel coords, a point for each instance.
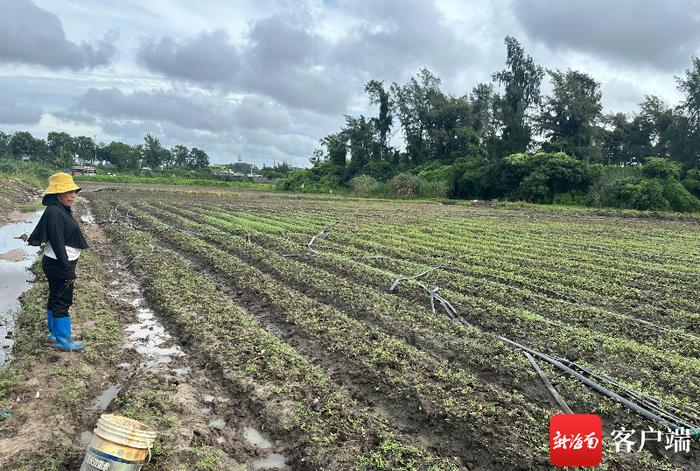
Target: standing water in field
{"type": "Point", "coordinates": [15, 259]}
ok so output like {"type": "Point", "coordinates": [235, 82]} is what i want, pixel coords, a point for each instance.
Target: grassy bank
{"type": "Point", "coordinates": [180, 181]}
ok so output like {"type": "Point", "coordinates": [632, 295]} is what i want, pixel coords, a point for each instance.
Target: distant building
{"type": "Point", "coordinates": [86, 170]}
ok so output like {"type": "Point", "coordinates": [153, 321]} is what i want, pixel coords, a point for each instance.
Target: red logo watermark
{"type": "Point", "coordinates": [575, 440]}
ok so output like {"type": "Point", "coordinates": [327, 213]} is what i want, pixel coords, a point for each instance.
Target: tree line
{"type": "Point", "coordinates": [505, 140]}
{"type": "Point", "coordinates": [62, 150]}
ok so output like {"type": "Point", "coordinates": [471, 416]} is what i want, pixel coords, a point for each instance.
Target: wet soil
{"type": "Point", "coordinates": [54, 403]}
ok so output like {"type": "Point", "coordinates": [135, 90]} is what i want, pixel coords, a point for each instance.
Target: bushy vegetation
{"type": "Point", "coordinates": [174, 180]}
{"type": "Point", "coordinates": [32, 173]}
{"type": "Point", "coordinates": [504, 140]}
{"type": "Point", "coordinates": [653, 186]}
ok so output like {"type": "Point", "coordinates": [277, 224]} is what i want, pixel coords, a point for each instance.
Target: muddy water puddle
{"type": "Point", "coordinates": [16, 256]}
{"type": "Point", "coordinates": [105, 399]}
{"type": "Point", "coordinates": [273, 461]}
{"type": "Point", "coordinates": [159, 350]}
{"type": "Point", "coordinates": [147, 336]}
{"type": "Point", "coordinates": [256, 439]}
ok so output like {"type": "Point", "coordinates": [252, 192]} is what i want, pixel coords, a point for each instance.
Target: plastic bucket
{"type": "Point", "coordinates": [119, 444]}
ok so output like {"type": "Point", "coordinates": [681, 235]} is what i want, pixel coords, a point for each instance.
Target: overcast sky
{"type": "Point", "coordinates": [266, 79]}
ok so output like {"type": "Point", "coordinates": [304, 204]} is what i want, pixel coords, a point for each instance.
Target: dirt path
{"type": "Point", "coordinates": [50, 401]}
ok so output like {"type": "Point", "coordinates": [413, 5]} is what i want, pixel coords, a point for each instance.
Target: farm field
{"type": "Point", "coordinates": [290, 297]}
{"type": "Point", "coordinates": [372, 334]}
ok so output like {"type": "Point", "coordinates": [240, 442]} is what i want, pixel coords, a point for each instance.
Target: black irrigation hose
{"type": "Point", "coordinates": [649, 408]}
{"type": "Point", "coordinates": [601, 389]}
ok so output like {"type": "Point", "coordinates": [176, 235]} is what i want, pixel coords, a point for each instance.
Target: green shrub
{"type": "Point", "coordinates": [473, 177]}
{"type": "Point", "coordinates": [663, 169]}
{"type": "Point", "coordinates": [435, 172]}
{"type": "Point", "coordinates": [608, 188]}
{"type": "Point", "coordinates": [692, 182]}
{"type": "Point", "coordinates": [647, 195]}
{"type": "Point", "coordinates": [570, 198]}
{"type": "Point", "coordinates": [32, 173]}
{"type": "Point", "coordinates": [544, 175]}
{"type": "Point", "coordinates": [364, 185]}
{"type": "Point", "coordinates": [679, 198]}
{"type": "Point", "coordinates": [310, 180]}
{"type": "Point", "coordinates": [433, 188]}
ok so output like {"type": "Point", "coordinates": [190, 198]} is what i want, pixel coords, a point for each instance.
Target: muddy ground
{"type": "Point", "coordinates": [16, 198]}
{"type": "Point", "coordinates": [50, 401]}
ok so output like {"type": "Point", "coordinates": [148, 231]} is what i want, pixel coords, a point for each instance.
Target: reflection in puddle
{"type": "Point", "coordinates": [15, 258]}
{"type": "Point", "coordinates": [255, 438]}
{"type": "Point", "coordinates": [147, 337]}
{"type": "Point", "coordinates": [103, 401]}
{"type": "Point", "coordinates": [274, 461]}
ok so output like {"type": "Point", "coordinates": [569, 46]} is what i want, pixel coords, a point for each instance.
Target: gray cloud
{"type": "Point", "coordinates": [194, 112]}
{"type": "Point", "coordinates": [12, 112]}
{"type": "Point", "coordinates": [256, 112]}
{"type": "Point", "coordinates": [279, 42]}
{"type": "Point", "coordinates": [660, 34]}
{"type": "Point", "coordinates": [31, 35]}
{"type": "Point", "coordinates": [284, 58]}
{"type": "Point", "coordinates": [281, 60]}
{"type": "Point", "coordinates": [210, 58]}
{"type": "Point", "coordinates": [395, 37]}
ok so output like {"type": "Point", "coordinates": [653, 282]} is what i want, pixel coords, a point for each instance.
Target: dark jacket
{"type": "Point", "coordinates": [58, 227]}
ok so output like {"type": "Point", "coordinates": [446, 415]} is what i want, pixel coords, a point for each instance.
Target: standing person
{"type": "Point", "coordinates": [64, 241]}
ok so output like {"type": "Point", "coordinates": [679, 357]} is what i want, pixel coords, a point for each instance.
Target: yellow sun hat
{"type": "Point", "coordinates": [60, 183]}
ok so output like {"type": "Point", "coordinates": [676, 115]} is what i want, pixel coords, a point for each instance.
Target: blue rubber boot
{"type": "Point", "coordinates": [61, 328]}
{"type": "Point", "coordinates": [51, 338]}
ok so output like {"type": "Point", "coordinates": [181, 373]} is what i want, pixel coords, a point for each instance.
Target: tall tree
{"type": "Point", "coordinates": [569, 118]}
{"type": "Point", "coordinates": [336, 149]}
{"type": "Point", "coordinates": [687, 142]}
{"type": "Point", "coordinates": [4, 143]}
{"type": "Point", "coordinates": [379, 96]}
{"type": "Point", "coordinates": [153, 154]}
{"type": "Point", "coordinates": [414, 103]}
{"type": "Point", "coordinates": [360, 136]}
{"type": "Point", "coordinates": [521, 82]}
{"type": "Point", "coordinates": [451, 129]}
{"type": "Point", "coordinates": [85, 148]}
{"type": "Point", "coordinates": [180, 155]}
{"type": "Point", "coordinates": [122, 156]}
{"type": "Point", "coordinates": [23, 143]}
{"type": "Point", "coordinates": [62, 146]}
{"type": "Point", "coordinates": [689, 84]}
{"type": "Point", "coordinates": [484, 124]}
{"type": "Point", "coordinates": [198, 158]}
{"type": "Point", "coordinates": [625, 141]}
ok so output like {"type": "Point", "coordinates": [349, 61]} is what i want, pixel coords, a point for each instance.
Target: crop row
{"type": "Point", "coordinates": [569, 241]}
{"type": "Point", "coordinates": [432, 389]}
{"type": "Point", "coordinates": [469, 348]}
{"type": "Point", "coordinates": [299, 401]}
{"type": "Point", "coordinates": [607, 322]}
{"type": "Point", "coordinates": [655, 371]}
{"type": "Point", "coordinates": [484, 272]}
{"type": "Point", "coordinates": [254, 244]}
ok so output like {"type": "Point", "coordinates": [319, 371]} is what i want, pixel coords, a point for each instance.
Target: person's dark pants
{"type": "Point", "coordinates": [60, 289]}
